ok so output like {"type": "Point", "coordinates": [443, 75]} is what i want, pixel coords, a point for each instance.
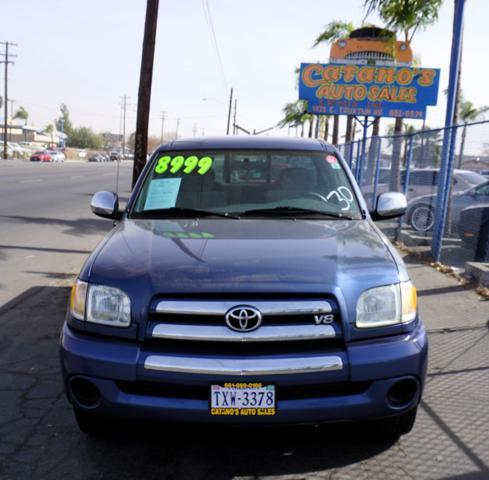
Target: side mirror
{"type": "Point", "coordinates": [105, 204]}
{"type": "Point", "coordinates": [390, 205]}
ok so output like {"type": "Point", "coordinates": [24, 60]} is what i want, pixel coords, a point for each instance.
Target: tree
{"type": "Point", "coordinates": [406, 17]}
{"type": "Point", "coordinates": [63, 123]}
{"type": "Point", "coordinates": [21, 114]}
{"type": "Point", "coordinates": [295, 113]}
{"type": "Point", "coordinates": [334, 31]}
{"type": "Point", "coordinates": [84, 137]}
{"type": "Point", "coordinates": [467, 112]}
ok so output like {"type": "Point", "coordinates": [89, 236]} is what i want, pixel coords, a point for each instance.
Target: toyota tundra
{"type": "Point", "coordinates": [245, 282]}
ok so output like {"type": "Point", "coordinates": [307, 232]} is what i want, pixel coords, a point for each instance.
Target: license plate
{"type": "Point", "coordinates": [243, 399]}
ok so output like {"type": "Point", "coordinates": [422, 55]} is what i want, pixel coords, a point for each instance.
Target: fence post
{"type": "Point", "coordinates": [445, 177]}
{"type": "Point", "coordinates": [359, 167]}
{"type": "Point", "coordinates": [407, 174]}
{"type": "Point", "coordinates": [357, 160]}
{"type": "Point", "coordinates": [350, 154]}
{"type": "Point", "coordinates": [377, 173]}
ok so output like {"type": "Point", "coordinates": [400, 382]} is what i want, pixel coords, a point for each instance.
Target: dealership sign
{"type": "Point", "coordinates": [381, 91]}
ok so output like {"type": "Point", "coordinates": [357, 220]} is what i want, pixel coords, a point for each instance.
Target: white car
{"type": "Point", "coordinates": [57, 156]}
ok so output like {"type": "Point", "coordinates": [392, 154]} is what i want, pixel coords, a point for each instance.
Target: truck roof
{"type": "Point", "coordinates": [247, 142]}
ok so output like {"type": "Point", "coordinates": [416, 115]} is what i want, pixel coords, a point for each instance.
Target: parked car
{"type": "Point", "coordinates": [57, 156]}
{"type": "Point", "coordinates": [484, 173]}
{"type": "Point", "coordinates": [421, 211]}
{"type": "Point", "coordinates": [228, 295]}
{"type": "Point", "coordinates": [113, 156]}
{"type": "Point", "coordinates": [98, 157]}
{"type": "Point", "coordinates": [424, 182]}
{"type": "Point", "coordinates": [16, 151]}
{"type": "Point", "coordinates": [473, 229]}
{"type": "Point", "coordinates": [41, 156]}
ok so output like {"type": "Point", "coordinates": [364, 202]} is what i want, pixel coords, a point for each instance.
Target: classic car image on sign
{"type": "Point", "coordinates": [245, 282]}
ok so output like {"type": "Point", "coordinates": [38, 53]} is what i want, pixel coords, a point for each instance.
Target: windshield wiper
{"type": "Point", "coordinates": [175, 211]}
{"type": "Point", "coordinates": [294, 210]}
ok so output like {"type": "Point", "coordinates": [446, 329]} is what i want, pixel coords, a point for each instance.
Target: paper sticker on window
{"type": "Point", "coordinates": [185, 165]}
{"type": "Point", "coordinates": [162, 193]}
{"type": "Point", "coordinates": [333, 161]}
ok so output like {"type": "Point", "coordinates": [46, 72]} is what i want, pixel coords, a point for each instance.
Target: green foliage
{"type": "Point", "coordinates": [81, 137]}
{"type": "Point", "coordinates": [334, 31]}
{"type": "Point", "coordinates": [468, 112]}
{"type": "Point", "coordinates": [405, 15]}
{"type": "Point", "coordinates": [63, 123]}
{"type": "Point", "coordinates": [295, 113]}
{"type": "Point", "coordinates": [49, 129]}
{"type": "Point", "coordinates": [84, 137]}
{"type": "Point", "coordinates": [21, 114]}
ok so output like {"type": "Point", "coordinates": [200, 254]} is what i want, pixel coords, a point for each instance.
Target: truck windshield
{"type": "Point", "coordinates": [246, 182]}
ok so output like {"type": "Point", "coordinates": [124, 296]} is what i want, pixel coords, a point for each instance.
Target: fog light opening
{"type": "Point", "coordinates": [402, 392]}
{"type": "Point", "coordinates": [85, 392]}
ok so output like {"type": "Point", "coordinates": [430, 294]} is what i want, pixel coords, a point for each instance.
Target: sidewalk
{"type": "Point", "coordinates": [443, 302]}
{"type": "Point", "coordinates": [39, 438]}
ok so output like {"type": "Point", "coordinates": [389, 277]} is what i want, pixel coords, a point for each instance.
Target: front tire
{"type": "Point", "coordinates": [422, 218]}
{"type": "Point", "coordinates": [393, 427]}
{"type": "Point", "coordinates": [92, 425]}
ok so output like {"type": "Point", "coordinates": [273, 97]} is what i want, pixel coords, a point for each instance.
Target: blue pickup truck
{"type": "Point", "coordinates": [245, 282]}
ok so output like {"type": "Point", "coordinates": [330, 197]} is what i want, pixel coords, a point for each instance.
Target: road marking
{"type": "Point", "coordinates": [29, 256]}
{"type": "Point", "coordinates": [74, 177]}
{"type": "Point", "coordinates": [32, 181]}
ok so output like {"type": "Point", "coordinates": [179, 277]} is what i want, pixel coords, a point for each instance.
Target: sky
{"type": "Point", "coordinates": [87, 54]}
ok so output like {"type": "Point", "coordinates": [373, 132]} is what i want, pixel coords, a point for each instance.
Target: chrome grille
{"type": "Point", "coordinates": [284, 320]}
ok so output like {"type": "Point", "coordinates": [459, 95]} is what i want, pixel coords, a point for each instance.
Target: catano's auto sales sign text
{"type": "Point", "coordinates": [381, 91]}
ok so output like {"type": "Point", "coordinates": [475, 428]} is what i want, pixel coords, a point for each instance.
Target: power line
{"type": "Point", "coordinates": [212, 32]}
{"type": "Point", "coordinates": [7, 56]}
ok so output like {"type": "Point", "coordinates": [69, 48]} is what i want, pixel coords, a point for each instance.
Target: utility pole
{"type": "Point", "coordinates": [144, 93]}
{"type": "Point", "coordinates": [163, 118]}
{"type": "Point", "coordinates": [176, 129]}
{"type": "Point", "coordinates": [235, 131]}
{"type": "Point", "coordinates": [124, 99]}
{"type": "Point", "coordinates": [6, 60]}
{"type": "Point", "coordinates": [229, 109]}
{"type": "Point", "coordinates": [11, 114]}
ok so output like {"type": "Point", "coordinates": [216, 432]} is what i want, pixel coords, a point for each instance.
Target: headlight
{"type": "Point", "coordinates": [100, 304]}
{"type": "Point", "coordinates": [389, 305]}
{"type": "Point", "coordinates": [108, 306]}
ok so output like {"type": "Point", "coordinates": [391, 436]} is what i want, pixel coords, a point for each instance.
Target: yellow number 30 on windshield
{"type": "Point", "coordinates": [189, 164]}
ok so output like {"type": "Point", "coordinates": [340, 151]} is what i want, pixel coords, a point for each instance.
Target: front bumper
{"type": "Point", "coordinates": [356, 391]}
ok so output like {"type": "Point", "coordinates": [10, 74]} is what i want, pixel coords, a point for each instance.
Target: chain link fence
{"type": "Point", "coordinates": [411, 163]}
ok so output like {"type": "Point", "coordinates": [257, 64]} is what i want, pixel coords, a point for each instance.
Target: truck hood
{"type": "Point", "coordinates": [226, 256]}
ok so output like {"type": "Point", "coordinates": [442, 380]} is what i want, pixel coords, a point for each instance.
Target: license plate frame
{"type": "Point", "coordinates": [236, 408]}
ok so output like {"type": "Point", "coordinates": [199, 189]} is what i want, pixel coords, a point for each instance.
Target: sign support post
{"type": "Point", "coordinates": [445, 176]}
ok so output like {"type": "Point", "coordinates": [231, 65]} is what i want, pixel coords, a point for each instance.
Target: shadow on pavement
{"type": "Point", "coordinates": [41, 249]}
{"type": "Point", "coordinates": [79, 227]}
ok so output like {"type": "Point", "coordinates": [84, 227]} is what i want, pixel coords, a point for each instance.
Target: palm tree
{"type": "Point", "coordinates": [334, 31]}
{"type": "Point", "coordinates": [295, 113]}
{"type": "Point", "coordinates": [406, 17]}
{"type": "Point", "coordinates": [21, 114]}
{"type": "Point", "coordinates": [468, 112]}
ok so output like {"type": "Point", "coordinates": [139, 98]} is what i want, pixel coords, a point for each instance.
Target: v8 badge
{"type": "Point", "coordinates": [323, 319]}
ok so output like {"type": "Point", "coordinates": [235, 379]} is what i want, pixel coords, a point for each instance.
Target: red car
{"type": "Point", "coordinates": [41, 156]}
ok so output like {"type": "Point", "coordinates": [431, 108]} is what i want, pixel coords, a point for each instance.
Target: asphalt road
{"type": "Point", "coordinates": [46, 228]}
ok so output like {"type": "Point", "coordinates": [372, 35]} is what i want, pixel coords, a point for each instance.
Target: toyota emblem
{"type": "Point", "coordinates": [243, 318]}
